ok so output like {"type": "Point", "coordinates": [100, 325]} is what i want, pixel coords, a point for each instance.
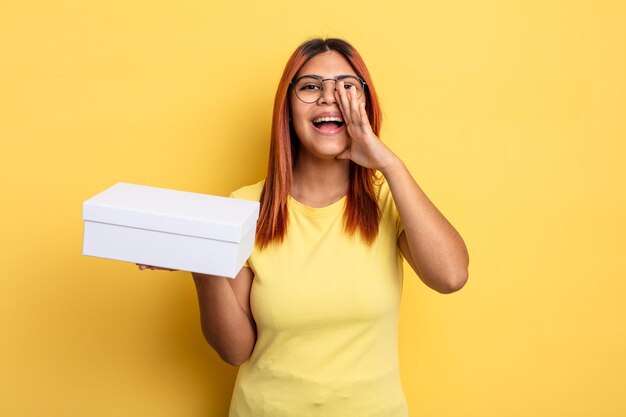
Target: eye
{"type": "Point", "coordinates": [351, 83]}
{"type": "Point", "coordinates": [309, 87]}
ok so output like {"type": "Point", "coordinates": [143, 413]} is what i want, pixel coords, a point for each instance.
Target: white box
{"type": "Point", "coordinates": [170, 229]}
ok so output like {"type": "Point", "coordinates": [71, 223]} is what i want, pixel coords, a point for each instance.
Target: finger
{"type": "Point", "coordinates": [344, 102]}
{"type": "Point", "coordinates": [354, 106]}
{"type": "Point", "coordinates": [355, 115]}
{"type": "Point", "coordinates": [365, 121]}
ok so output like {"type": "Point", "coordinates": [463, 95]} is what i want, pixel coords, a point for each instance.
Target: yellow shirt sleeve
{"type": "Point", "coordinates": [250, 192]}
{"type": "Point", "coordinates": [387, 205]}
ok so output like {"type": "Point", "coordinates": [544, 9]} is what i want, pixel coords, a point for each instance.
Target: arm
{"type": "Point", "coordinates": [225, 314]}
{"type": "Point", "coordinates": [430, 244]}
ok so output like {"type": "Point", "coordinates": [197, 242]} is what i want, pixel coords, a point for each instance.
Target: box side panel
{"type": "Point", "coordinates": [250, 223]}
{"type": "Point", "coordinates": [244, 250]}
{"type": "Point", "coordinates": [166, 250]}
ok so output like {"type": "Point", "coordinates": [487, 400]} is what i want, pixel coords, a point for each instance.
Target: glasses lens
{"type": "Point", "coordinates": [352, 83]}
{"type": "Point", "coordinates": [309, 89]}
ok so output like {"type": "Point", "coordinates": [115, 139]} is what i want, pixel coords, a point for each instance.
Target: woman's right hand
{"type": "Point", "coordinates": [143, 267]}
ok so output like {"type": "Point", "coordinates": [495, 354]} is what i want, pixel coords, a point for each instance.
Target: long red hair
{"type": "Point", "coordinates": [361, 212]}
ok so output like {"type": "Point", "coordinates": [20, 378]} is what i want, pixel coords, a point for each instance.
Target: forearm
{"type": "Point", "coordinates": [225, 324]}
{"type": "Point", "coordinates": [436, 248]}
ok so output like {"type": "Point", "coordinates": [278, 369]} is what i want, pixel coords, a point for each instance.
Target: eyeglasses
{"type": "Point", "coordinates": [309, 88]}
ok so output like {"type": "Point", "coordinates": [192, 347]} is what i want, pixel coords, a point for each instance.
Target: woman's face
{"type": "Point", "coordinates": [319, 125]}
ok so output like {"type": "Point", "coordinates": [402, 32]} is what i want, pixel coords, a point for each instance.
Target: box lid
{"type": "Point", "coordinates": [173, 211]}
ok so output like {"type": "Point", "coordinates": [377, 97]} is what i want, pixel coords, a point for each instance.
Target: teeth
{"type": "Point", "coordinates": [328, 119]}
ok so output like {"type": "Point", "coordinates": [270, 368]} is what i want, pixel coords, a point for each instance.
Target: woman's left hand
{"type": "Point", "coordinates": [365, 148]}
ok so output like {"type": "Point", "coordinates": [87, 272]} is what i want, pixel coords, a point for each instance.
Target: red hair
{"type": "Point", "coordinates": [361, 213]}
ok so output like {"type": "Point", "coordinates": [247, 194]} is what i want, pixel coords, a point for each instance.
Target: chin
{"type": "Point", "coordinates": [329, 150]}
{"type": "Point", "coordinates": [323, 146]}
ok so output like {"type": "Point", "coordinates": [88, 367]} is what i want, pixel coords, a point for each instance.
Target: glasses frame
{"type": "Point", "coordinates": [323, 80]}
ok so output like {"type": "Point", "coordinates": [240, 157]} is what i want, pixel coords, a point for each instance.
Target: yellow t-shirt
{"type": "Point", "coordinates": [326, 308]}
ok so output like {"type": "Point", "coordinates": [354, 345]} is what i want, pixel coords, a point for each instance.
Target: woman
{"type": "Point", "coordinates": [312, 316]}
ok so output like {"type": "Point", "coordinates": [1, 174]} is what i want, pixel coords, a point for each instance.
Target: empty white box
{"type": "Point", "coordinates": [170, 229]}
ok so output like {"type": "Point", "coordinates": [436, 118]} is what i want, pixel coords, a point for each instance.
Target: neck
{"type": "Point", "coordinates": [320, 182]}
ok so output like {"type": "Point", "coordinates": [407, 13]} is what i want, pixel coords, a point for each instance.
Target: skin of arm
{"type": "Point", "coordinates": [225, 315]}
{"type": "Point", "coordinates": [430, 244]}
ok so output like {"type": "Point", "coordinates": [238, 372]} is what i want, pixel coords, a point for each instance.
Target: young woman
{"type": "Point", "coordinates": [312, 317]}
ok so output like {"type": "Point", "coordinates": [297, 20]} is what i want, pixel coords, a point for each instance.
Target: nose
{"type": "Point", "coordinates": [328, 92]}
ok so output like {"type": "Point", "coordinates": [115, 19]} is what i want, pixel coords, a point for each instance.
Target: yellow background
{"type": "Point", "coordinates": [510, 114]}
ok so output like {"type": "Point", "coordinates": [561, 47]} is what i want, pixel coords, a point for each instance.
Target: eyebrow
{"type": "Point", "coordinates": [322, 78]}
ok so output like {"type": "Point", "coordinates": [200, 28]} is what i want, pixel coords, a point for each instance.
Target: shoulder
{"type": "Point", "coordinates": [249, 192]}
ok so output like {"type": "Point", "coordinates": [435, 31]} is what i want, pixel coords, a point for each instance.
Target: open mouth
{"type": "Point", "coordinates": [328, 123]}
